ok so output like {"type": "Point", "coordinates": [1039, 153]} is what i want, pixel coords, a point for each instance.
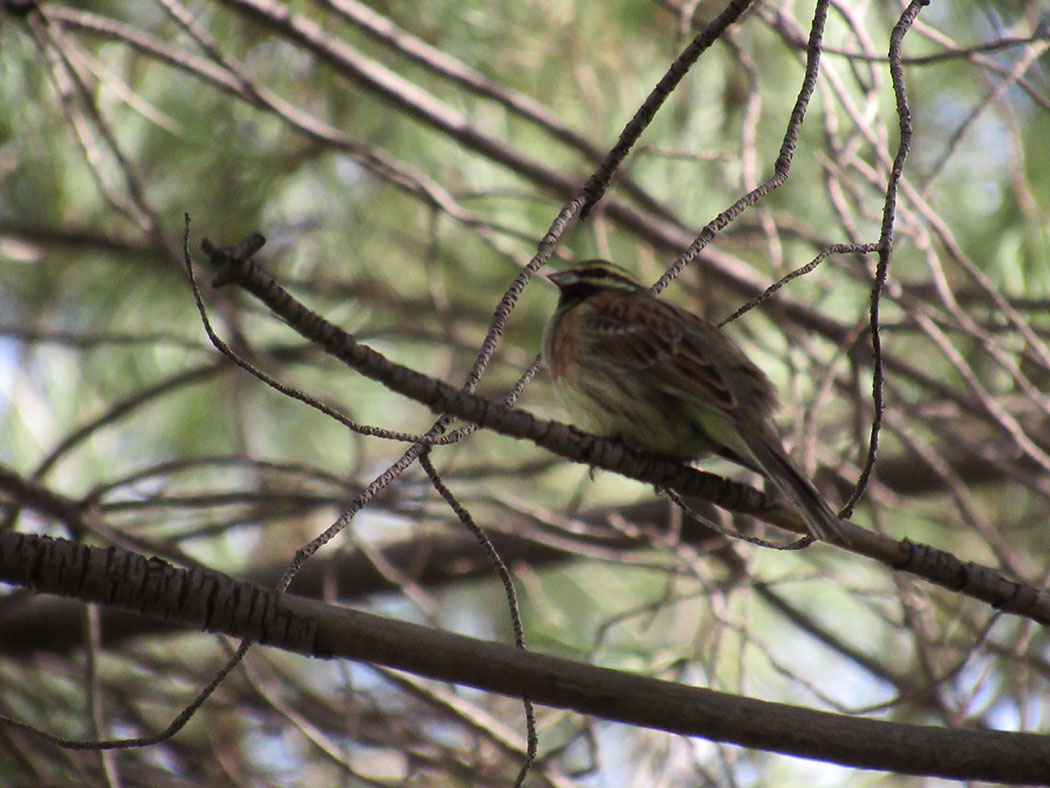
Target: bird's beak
{"type": "Point", "coordinates": [562, 278]}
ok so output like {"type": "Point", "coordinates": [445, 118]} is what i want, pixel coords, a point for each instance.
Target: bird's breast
{"type": "Point", "coordinates": [562, 345]}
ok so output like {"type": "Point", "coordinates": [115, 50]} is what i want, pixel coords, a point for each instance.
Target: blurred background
{"type": "Point", "coordinates": [403, 160]}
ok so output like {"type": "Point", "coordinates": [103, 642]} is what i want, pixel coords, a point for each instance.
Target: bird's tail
{"type": "Point", "coordinates": [820, 518]}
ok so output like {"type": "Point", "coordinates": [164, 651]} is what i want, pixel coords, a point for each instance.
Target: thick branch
{"type": "Point", "coordinates": [210, 600]}
{"type": "Point", "coordinates": [199, 598]}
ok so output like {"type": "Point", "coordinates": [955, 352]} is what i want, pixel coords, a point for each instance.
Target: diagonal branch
{"type": "Point", "coordinates": [235, 266]}
{"type": "Point", "coordinates": [215, 602]}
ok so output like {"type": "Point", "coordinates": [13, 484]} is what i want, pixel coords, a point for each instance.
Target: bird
{"type": "Point", "coordinates": [632, 366]}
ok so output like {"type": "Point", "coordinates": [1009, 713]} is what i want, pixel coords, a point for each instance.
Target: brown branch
{"type": "Point", "coordinates": [599, 181]}
{"type": "Point", "coordinates": [209, 600]}
{"type": "Point", "coordinates": [51, 625]}
{"type": "Point", "coordinates": [199, 598]}
{"type": "Point", "coordinates": [782, 165]}
{"type": "Point", "coordinates": [889, 214]}
{"type": "Point", "coordinates": [235, 266]}
{"type": "Point", "coordinates": [383, 29]}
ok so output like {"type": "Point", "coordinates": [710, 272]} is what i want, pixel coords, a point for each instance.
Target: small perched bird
{"type": "Point", "coordinates": [632, 366]}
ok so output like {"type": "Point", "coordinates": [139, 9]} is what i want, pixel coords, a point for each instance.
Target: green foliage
{"type": "Point", "coordinates": [403, 215]}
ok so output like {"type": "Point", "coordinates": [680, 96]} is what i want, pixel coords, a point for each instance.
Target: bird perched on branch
{"type": "Point", "coordinates": [632, 366]}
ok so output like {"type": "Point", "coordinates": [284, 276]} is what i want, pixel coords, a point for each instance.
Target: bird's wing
{"type": "Point", "coordinates": [679, 350]}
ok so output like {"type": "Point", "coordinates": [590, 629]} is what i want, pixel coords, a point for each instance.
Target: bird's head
{"type": "Point", "coordinates": [594, 276]}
